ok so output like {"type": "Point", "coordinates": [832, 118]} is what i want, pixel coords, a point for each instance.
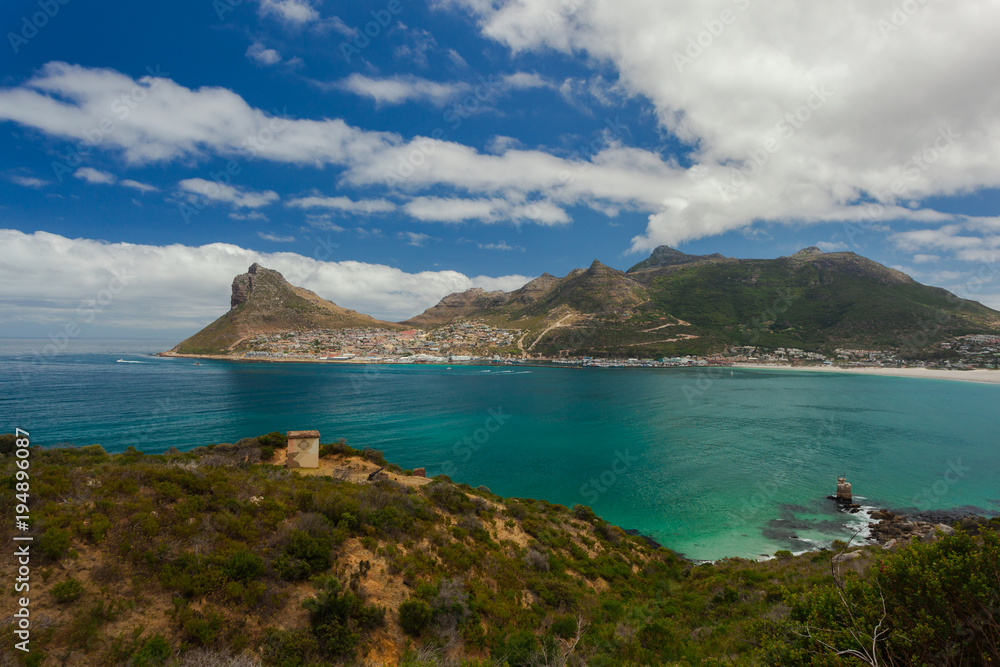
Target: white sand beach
{"type": "Point", "coordinates": [978, 375]}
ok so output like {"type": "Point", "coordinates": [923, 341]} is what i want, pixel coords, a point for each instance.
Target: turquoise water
{"type": "Point", "coordinates": [709, 464]}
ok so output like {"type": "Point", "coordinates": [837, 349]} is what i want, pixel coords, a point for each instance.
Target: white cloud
{"type": "Point", "coordinates": [887, 102]}
{"type": "Point", "coordinates": [229, 194]}
{"type": "Point", "coordinates": [885, 96]}
{"type": "Point", "coordinates": [94, 176]}
{"type": "Point", "coordinates": [28, 181]}
{"type": "Point", "coordinates": [524, 80]}
{"type": "Point", "coordinates": [926, 259]}
{"type": "Point", "coordinates": [296, 12]}
{"type": "Point", "coordinates": [141, 187]}
{"type": "Point", "coordinates": [343, 204]}
{"type": "Point", "coordinates": [499, 246]}
{"type": "Point", "coordinates": [337, 24]}
{"type": "Point", "coordinates": [262, 55]}
{"type": "Point", "coordinates": [324, 222]}
{"type": "Point", "coordinates": [275, 238]}
{"type": "Point", "coordinates": [456, 210]}
{"type": "Point", "coordinates": [401, 89]}
{"type": "Point", "coordinates": [248, 215]}
{"type": "Point", "coordinates": [183, 288]}
{"type": "Point", "coordinates": [414, 238]}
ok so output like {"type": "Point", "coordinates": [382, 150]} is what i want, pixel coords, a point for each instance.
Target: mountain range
{"type": "Point", "coordinates": [670, 303]}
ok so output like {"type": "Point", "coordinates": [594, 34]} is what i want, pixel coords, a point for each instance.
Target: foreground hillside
{"type": "Point", "coordinates": [217, 556]}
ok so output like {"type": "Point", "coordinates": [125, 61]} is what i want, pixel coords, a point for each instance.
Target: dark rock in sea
{"type": "Point", "coordinates": [649, 540]}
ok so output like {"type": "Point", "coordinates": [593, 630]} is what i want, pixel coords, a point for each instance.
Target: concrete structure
{"type": "Point", "coordinates": [303, 449]}
{"type": "Point", "coordinates": [843, 489]}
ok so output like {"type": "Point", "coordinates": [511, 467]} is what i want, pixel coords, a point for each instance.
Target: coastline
{"type": "Point", "coordinates": [979, 375]}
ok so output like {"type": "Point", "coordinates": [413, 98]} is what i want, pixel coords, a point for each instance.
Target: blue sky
{"type": "Point", "coordinates": [385, 154]}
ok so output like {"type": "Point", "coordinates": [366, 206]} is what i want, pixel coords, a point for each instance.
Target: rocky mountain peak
{"type": "Point", "coordinates": [250, 282]}
{"type": "Point", "coordinates": [808, 253]}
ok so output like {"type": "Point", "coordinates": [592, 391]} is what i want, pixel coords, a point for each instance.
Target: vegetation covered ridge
{"type": "Point", "coordinates": [218, 556]}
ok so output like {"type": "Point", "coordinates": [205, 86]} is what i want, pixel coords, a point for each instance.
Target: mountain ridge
{"type": "Point", "coordinates": [672, 303]}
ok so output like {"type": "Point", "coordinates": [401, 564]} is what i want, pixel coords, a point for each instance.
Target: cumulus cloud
{"type": "Point", "coordinates": [136, 185]}
{"type": "Point", "coordinates": [343, 204]}
{"type": "Point", "coordinates": [837, 102]}
{"type": "Point", "coordinates": [456, 210]}
{"type": "Point", "coordinates": [94, 176]}
{"type": "Point", "coordinates": [784, 125]}
{"type": "Point", "coordinates": [28, 181]}
{"type": "Point", "coordinates": [262, 55]}
{"type": "Point", "coordinates": [296, 12]}
{"type": "Point", "coordinates": [275, 238]}
{"type": "Point", "coordinates": [401, 89]}
{"type": "Point", "coordinates": [199, 188]}
{"type": "Point", "coordinates": [50, 280]}
{"type": "Point", "coordinates": [415, 238]}
{"type": "Point", "coordinates": [502, 245]}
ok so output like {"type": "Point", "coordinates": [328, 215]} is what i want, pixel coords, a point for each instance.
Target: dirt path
{"type": "Point", "coordinates": [678, 323]}
{"type": "Point", "coordinates": [348, 468]}
{"type": "Point", "coordinates": [550, 328]}
{"type": "Point", "coordinates": [665, 340]}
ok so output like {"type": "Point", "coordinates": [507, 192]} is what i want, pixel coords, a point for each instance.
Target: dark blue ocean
{"type": "Point", "coordinates": [711, 463]}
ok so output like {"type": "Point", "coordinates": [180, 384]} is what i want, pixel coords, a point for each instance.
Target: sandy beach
{"type": "Point", "coordinates": [978, 375]}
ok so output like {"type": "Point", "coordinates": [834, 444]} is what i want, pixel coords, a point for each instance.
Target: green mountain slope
{"type": "Point", "coordinates": [263, 302]}
{"type": "Point", "coordinates": [674, 303]}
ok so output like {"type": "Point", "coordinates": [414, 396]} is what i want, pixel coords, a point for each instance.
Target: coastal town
{"type": "Point", "coordinates": [477, 341]}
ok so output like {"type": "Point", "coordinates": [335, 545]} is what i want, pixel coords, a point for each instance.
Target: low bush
{"type": "Point", "coordinates": [67, 590]}
{"type": "Point", "coordinates": [415, 616]}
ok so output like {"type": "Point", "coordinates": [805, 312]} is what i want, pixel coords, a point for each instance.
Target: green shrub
{"type": "Point", "coordinates": [564, 626]}
{"type": "Point", "coordinates": [244, 566]}
{"type": "Point", "coordinates": [154, 651]}
{"type": "Point", "coordinates": [414, 616]}
{"type": "Point", "coordinates": [67, 591]}
{"type": "Point", "coordinates": [937, 599]}
{"type": "Point", "coordinates": [783, 554]}
{"type": "Point", "coordinates": [313, 550]}
{"type": "Point", "coordinates": [54, 542]}
{"type": "Point", "coordinates": [337, 618]}
{"type": "Point", "coordinates": [289, 648]}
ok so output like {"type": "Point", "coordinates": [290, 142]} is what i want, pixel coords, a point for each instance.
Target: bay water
{"type": "Point", "coordinates": [709, 462]}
